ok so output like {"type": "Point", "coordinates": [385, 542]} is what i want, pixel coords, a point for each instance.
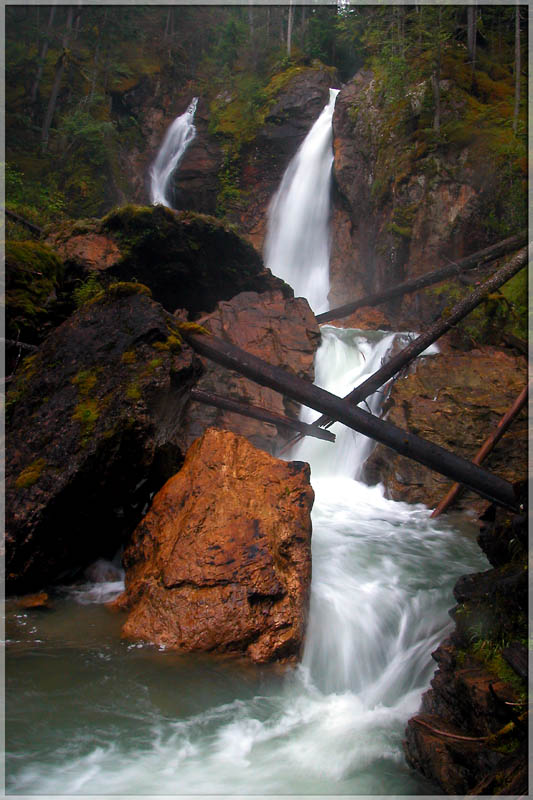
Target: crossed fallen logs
{"type": "Point", "coordinates": [345, 409]}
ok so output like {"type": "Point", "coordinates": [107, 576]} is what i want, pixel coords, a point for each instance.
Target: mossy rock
{"type": "Point", "coordinates": [33, 273]}
{"type": "Point", "coordinates": [185, 259]}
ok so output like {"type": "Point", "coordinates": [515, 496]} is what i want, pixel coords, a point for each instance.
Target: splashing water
{"type": "Point", "coordinates": [177, 139]}
{"type": "Point", "coordinates": [297, 241]}
{"type": "Point", "coordinates": [87, 713]}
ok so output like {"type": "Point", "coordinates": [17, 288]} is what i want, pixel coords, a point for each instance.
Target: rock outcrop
{"type": "Point", "coordinates": [404, 202]}
{"type": "Point", "coordinates": [188, 260]}
{"type": "Point", "coordinates": [454, 399]}
{"type": "Point", "coordinates": [281, 330]}
{"type": "Point", "coordinates": [303, 92]}
{"type": "Point", "coordinates": [92, 419]}
{"type": "Point", "coordinates": [222, 560]}
{"type": "Point", "coordinates": [470, 735]}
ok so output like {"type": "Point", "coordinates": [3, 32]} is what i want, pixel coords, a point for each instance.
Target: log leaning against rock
{"type": "Point", "coordinates": [478, 259]}
{"type": "Point", "coordinates": [434, 332]}
{"type": "Point", "coordinates": [262, 414]}
{"type": "Point", "coordinates": [437, 458]}
{"type": "Point", "coordinates": [486, 448]}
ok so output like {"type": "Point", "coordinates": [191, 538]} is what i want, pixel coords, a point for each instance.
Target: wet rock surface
{"type": "Point", "coordinates": [454, 399]}
{"type": "Point", "coordinates": [222, 560]}
{"type": "Point", "coordinates": [92, 419]}
{"type": "Point", "coordinates": [470, 734]}
{"type": "Point", "coordinates": [280, 330]}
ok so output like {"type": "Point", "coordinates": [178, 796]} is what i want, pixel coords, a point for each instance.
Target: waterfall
{"type": "Point", "coordinates": [131, 719]}
{"type": "Point", "coordinates": [177, 139]}
{"type": "Point", "coordinates": [297, 242]}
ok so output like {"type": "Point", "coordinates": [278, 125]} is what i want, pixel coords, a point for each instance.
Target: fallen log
{"type": "Point", "coordinates": [478, 259]}
{"type": "Point", "coordinates": [255, 412]}
{"type": "Point", "coordinates": [22, 345]}
{"type": "Point", "coordinates": [21, 221]}
{"type": "Point", "coordinates": [488, 445]}
{"type": "Point", "coordinates": [430, 455]}
{"type": "Point", "coordinates": [438, 329]}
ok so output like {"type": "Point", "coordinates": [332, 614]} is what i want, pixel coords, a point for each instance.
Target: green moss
{"type": "Point", "coordinates": [87, 290]}
{"type": "Point", "coordinates": [86, 413]}
{"type": "Point", "coordinates": [121, 289]}
{"type": "Point", "coordinates": [33, 273]}
{"type": "Point", "coordinates": [30, 474]}
{"type": "Point", "coordinates": [85, 380]}
{"type": "Point", "coordinates": [192, 327]}
{"type": "Point", "coordinates": [129, 357]}
{"type": "Point", "coordinates": [133, 391]}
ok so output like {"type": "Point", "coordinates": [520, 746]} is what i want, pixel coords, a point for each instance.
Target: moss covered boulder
{"type": "Point", "coordinates": [92, 432]}
{"type": "Point", "coordinates": [188, 260]}
{"type": "Point", "coordinates": [33, 274]}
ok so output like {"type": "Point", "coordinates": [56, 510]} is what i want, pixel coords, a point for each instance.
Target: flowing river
{"type": "Point", "coordinates": [90, 714]}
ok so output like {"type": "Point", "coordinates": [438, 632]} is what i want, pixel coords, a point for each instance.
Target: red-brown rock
{"type": "Point", "coordinates": [282, 331]}
{"type": "Point", "coordinates": [454, 399]}
{"type": "Point", "coordinates": [222, 561]}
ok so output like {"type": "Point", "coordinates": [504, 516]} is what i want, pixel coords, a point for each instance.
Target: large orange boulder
{"type": "Point", "coordinates": [222, 560]}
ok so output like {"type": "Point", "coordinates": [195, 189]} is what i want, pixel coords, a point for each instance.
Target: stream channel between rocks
{"type": "Point", "coordinates": [90, 714]}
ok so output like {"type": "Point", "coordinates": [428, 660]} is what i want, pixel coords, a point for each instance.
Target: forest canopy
{"type": "Point", "coordinates": [68, 69]}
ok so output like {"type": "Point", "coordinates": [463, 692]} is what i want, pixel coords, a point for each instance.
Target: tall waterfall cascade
{"type": "Point", "coordinates": [131, 719]}
{"type": "Point", "coordinates": [177, 139]}
{"type": "Point", "coordinates": [297, 242]}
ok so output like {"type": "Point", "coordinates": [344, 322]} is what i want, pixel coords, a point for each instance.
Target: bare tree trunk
{"type": "Point", "coordinates": [517, 68]}
{"type": "Point", "coordinates": [478, 259]}
{"type": "Point", "coordinates": [435, 331]}
{"type": "Point", "coordinates": [97, 56]}
{"type": "Point", "coordinates": [42, 57]}
{"type": "Point", "coordinates": [60, 68]}
{"type": "Point", "coordinates": [430, 455]}
{"type": "Point", "coordinates": [488, 445]}
{"type": "Point", "coordinates": [471, 34]}
{"type": "Point", "coordinates": [262, 414]}
{"type": "Point", "coordinates": [289, 27]}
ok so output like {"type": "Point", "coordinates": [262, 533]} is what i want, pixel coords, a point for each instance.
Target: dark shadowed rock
{"type": "Point", "coordinates": [470, 734]}
{"type": "Point", "coordinates": [188, 260]}
{"type": "Point", "coordinates": [222, 561]}
{"type": "Point", "coordinates": [92, 420]}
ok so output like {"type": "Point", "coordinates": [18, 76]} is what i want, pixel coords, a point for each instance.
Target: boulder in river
{"type": "Point", "coordinates": [222, 561]}
{"type": "Point", "coordinates": [92, 421]}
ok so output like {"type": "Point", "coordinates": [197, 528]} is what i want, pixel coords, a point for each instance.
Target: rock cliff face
{"type": "Point", "coordinates": [223, 158]}
{"type": "Point", "coordinates": [222, 561]}
{"type": "Point", "coordinates": [403, 205]}
{"type": "Point", "coordinates": [470, 735]}
{"type": "Point", "coordinates": [92, 423]}
{"type": "Point", "coordinates": [281, 330]}
{"type": "Point", "coordinates": [454, 399]}
{"type": "Point", "coordinates": [289, 119]}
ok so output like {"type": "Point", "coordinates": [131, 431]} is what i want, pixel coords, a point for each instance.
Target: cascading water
{"type": "Point", "coordinates": [87, 713]}
{"type": "Point", "coordinates": [297, 241]}
{"type": "Point", "coordinates": [177, 139]}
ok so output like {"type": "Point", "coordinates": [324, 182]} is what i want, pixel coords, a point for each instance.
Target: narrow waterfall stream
{"type": "Point", "coordinates": [177, 139]}
{"type": "Point", "coordinates": [87, 713]}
